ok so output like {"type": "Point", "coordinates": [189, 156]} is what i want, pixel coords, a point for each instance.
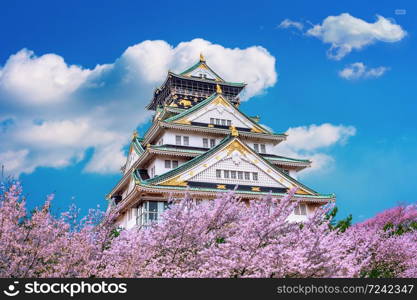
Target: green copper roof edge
{"type": "Point", "coordinates": [185, 188]}
{"type": "Point", "coordinates": [282, 158]}
{"type": "Point", "coordinates": [235, 84]}
{"type": "Point", "coordinates": [137, 146]}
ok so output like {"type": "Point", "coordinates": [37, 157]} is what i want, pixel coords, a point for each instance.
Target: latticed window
{"type": "Point", "coordinates": [239, 175]}
{"type": "Point", "coordinates": [256, 147]}
{"type": "Point", "coordinates": [212, 143]}
{"type": "Point", "coordinates": [175, 164]}
{"type": "Point", "coordinates": [233, 174]}
{"type": "Point", "coordinates": [263, 148]}
{"type": "Point", "coordinates": [219, 173]}
{"type": "Point", "coordinates": [205, 143]}
{"type": "Point", "coordinates": [247, 176]}
{"type": "Point", "coordinates": [212, 121]}
{"type": "Point", "coordinates": [254, 175]}
{"type": "Point", "coordinates": [186, 140]}
{"type": "Point", "coordinates": [229, 122]}
{"type": "Point", "coordinates": [150, 211]}
{"type": "Point", "coordinates": [226, 174]}
{"type": "Point", "coordinates": [178, 140]}
{"type": "Point", "coordinates": [168, 164]}
{"type": "Point", "coordinates": [300, 210]}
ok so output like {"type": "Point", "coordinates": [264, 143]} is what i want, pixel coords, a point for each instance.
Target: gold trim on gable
{"type": "Point", "coordinates": [183, 121]}
{"type": "Point", "coordinates": [175, 182]}
{"type": "Point", "coordinates": [221, 186]}
{"type": "Point", "coordinates": [235, 145]}
{"type": "Point", "coordinates": [220, 101]}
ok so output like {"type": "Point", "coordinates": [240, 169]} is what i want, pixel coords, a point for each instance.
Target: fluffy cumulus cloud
{"type": "Point", "coordinates": [359, 70]}
{"type": "Point", "coordinates": [287, 23]}
{"type": "Point", "coordinates": [312, 142]}
{"type": "Point", "coordinates": [346, 33]}
{"type": "Point", "coordinates": [52, 112]}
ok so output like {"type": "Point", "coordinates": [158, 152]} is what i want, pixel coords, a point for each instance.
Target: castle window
{"type": "Point", "coordinates": [239, 175]}
{"type": "Point", "coordinates": [226, 174]}
{"type": "Point", "coordinates": [186, 140]}
{"type": "Point", "coordinates": [219, 173]}
{"type": "Point", "coordinates": [247, 176]}
{"type": "Point", "coordinates": [256, 147]}
{"type": "Point", "coordinates": [263, 148]}
{"type": "Point", "coordinates": [150, 212]}
{"type": "Point", "coordinates": [212, 143]}
{"type": "Point", "coordinates": [300, 210]}
{"type": "Point", "coordinates": [175, 164]}
{"type": "Point", "coordinates": [205, 143]}
{"type": "Point", "coordinates": [233, 174]}
{"type": "Point", "coordinates": [229, 122]}
{"type": "Point", "coordinates": [211, 120]}
{"type": "Point", "coordinates": [223, 122]}
{"type": "Point", "coordinates": [254, 175]}
{"type": "Point", "coordinates": [168, 164]}
{"type": "Point", "coordinates": [178, 140]}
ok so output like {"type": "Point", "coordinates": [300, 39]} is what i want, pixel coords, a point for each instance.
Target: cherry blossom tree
{"type": "Point", "coordinates": [225, 237]}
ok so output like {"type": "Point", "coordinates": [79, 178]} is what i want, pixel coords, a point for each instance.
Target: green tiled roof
{"type": "Point", "coordinates": [189, 163]}
{"type": "Point", "coordinates": [137, 145]}
{"type": "Point", "coordinates": [178, 149]}
{"type": "Point", "coordinates": [146, 184]}
{"type": "Point", "coordinates": [275, 158]}
{"type": "Point", "coordinates": [289, 159]}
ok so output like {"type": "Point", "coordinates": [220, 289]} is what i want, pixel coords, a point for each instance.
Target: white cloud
{"type": "Point", "coordinates": [346, 33]}
{"type": "Point", "coordinates": [287, 23]}
{"type": "Point", "coordinates": [39, 80]}
{"type": "Point", "coordinates": [359, 70]}
{"type": "Point", "coordinates": [55, 111]}
{"type": "Point", "coordinates": [311, 142]}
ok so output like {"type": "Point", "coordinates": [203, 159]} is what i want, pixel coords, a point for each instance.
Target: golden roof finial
{"type": "Point", "coordinates": [234, 131]}
{"type": "Point", "coordinates": [135, 134]}
{"type": "Point", "coordinates": [218, 89]}
{"type": "Point", "coordinates": [202, 58]}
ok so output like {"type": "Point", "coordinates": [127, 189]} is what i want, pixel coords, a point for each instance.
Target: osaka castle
{"type": "Point", "coordinates": [202, 144]}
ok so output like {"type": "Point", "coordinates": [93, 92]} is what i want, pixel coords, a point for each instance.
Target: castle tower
{"type": "Point", "coordinates": [200, 142]}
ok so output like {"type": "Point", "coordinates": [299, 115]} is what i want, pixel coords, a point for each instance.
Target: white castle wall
{"type": "Point", "coordinates": [196, 140]}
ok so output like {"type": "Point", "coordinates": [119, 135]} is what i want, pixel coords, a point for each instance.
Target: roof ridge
{"type": "Point", "coordinates": [199, 63]}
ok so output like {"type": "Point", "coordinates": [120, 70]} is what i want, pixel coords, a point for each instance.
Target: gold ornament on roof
{"type": "Point", "coordinates": [135, 134]}
{"type": "Point", "coordinates": [202, 58]}
{"type": "Point", "coordinates": [234, 131]}
{"type": "Point", "coordinates": [218, 89]}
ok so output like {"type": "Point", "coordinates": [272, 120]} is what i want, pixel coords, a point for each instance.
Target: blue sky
{"type": "Point", "coordinates": [370, 163]}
